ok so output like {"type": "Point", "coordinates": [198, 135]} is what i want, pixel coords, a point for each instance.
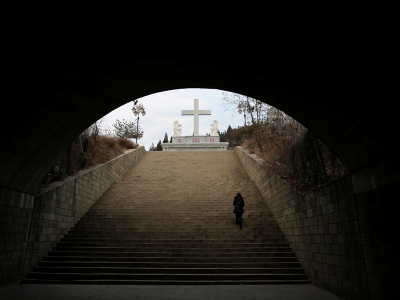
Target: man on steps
{"type": "Point", "coordinates": [238, 202]}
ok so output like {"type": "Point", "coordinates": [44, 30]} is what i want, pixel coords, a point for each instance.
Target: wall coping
{"type": "Point", "coordinates": [256, 158]}
{"type": "Point", "coordinates": [80, 173]}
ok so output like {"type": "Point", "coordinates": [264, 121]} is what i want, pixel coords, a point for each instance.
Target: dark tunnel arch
{"type": "Point", "coordinates": [70, 94]}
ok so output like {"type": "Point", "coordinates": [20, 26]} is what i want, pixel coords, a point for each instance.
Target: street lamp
{"type": "Point", "coordinates": [137, 110]}
{"type": "Point", "coordinates": [242, 107]}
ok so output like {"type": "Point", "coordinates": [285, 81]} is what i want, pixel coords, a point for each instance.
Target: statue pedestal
{"type": "Point", "coordinates": [195, 143]}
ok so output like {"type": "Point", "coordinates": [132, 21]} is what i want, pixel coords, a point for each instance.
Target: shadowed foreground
{"type": "Point", "coordinates": [116, 292]}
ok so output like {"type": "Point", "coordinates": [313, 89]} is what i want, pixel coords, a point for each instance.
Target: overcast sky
{"type": "Point", "coordinates": [164, 108]}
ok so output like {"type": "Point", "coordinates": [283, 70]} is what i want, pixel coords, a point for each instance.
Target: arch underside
{"type": "Point", "coordinates": [69, 94]}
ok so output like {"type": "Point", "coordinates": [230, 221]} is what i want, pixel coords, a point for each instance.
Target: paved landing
{"type": "Point", "coordinates": [192, 292]}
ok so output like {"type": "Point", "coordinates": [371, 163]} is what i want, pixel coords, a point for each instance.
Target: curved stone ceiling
{"type": "Point", "coordinates": [70, 93]}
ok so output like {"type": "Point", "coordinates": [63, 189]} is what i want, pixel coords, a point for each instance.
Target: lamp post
{"type": "Point", "coordinates": [137, 110]}
{"type": "Point", "coordinates": [242, 107]}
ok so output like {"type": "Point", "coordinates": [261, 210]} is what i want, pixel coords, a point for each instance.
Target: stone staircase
{"type": "Point", "coordinates": [169, 221]}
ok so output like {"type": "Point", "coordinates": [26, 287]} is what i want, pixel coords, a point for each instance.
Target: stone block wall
{"type": "Point", "coordinates": [15, 219]}
{"type": "Point", "coordinates": [377, 212]}
{"type": "Point", "coordinates": [322, 227]}
{"type": "Point", "coordinates": [31, 225]}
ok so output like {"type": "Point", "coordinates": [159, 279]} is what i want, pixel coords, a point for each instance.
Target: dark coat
{"type": "Point", "coordinates": [238, 202]}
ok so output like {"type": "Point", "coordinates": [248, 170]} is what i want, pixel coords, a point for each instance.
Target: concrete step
{"type": "Point", "coordinates": [169, 254]}
{"type": "Point", "coordinates": [189, 213]}
{"type": "Point", "coordinates": [160, 235]}
{"type": "Point", "coordinates": [224, 222]}
{"type": "Point", "coordinates": [179, 218]}
{"type": "Point", "coordinates": [170, 270]}
{"type": "Point", "coordinates": [170, 228]}
{"type": "Point", "coordinates": [164, 277]}
{"type": "Point", "coordinates": [277, 239]}
{"type": "Point", "coordinates": [242, 246]}
{"type": "Point", "coordinates": [164, 281]}
{"type": "Point", "coordinates": [163, 264]}
{"type": "Point", "coordinates": [176, 259]}
{"type": "Point", "coordinates": [173, 250]}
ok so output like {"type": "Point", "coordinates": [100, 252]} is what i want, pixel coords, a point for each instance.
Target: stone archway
{"type": "Point", "coordinates": [72, 94]}
{"type": "Point", "coordinates": [326, 95]}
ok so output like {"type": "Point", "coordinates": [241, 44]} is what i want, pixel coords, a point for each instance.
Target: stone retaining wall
{"type": "Point", "coordinates": [321, 226]}
{"type": "Point", "coordinates": [31, 225]}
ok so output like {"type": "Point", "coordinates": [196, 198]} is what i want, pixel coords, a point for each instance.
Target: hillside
{"type": "Point", "coordinates": [294, 155]}
{"type": "Point", "coordinates": [86, 150]}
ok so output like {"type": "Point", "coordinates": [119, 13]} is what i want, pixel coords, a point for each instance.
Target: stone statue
{"type": "Point", "coordinates": [177, 129]}
{"type": "Point", "coordinates": [214, 128]}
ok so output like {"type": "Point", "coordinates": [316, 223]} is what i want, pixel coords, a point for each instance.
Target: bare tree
{"type": "Point", "coordinates": [253, 108]}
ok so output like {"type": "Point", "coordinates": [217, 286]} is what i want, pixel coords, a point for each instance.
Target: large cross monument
{"type": "Point", "coordinates": [196, 142]}
{"type": "Point", "coordinates": [196, 113]}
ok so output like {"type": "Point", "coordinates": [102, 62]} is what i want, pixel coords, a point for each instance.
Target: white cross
{"type": "Point", "coordinates": [196, 112]}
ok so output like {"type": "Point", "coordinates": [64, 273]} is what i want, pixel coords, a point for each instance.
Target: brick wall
{"type": "Point", "coordinates": [322, 227]}
{"type": "Point", "coordinates": [31, 225]}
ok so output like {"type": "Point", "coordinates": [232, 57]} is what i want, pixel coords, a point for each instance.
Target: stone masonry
{"type": "Point", "coordinates": [341, 232]}
{"type": "Point", "coordinates": [30, 226]}
{"type": "Point", "coordinates": [331, 232]}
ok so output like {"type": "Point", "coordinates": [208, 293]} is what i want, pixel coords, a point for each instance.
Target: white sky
{"type": "Point", "coordinates": [164, 108]}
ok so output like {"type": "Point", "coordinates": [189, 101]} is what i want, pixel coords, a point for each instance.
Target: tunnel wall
{"type": "Point", "coordinates": [340, 238]}
{"type": "Point", "coordinates": [32, 225]}
{"type": "Point", "coordinates": [78, 91]}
